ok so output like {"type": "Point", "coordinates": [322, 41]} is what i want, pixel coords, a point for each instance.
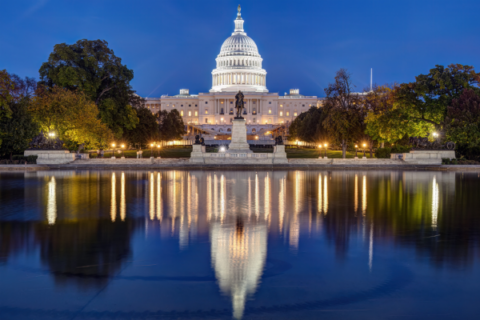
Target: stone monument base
{"type": "Point", "coordinates": [197, 154]}
{"type": "Point", "coordinates": [239, 142]}
{"type": "Point", "coordinates": [51, 156]}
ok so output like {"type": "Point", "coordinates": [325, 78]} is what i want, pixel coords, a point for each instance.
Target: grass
{"type": "Point", "coordinates": [184, 152]}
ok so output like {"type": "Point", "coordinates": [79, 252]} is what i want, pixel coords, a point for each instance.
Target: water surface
{"type": "Point", "coordinates": [246, 244]}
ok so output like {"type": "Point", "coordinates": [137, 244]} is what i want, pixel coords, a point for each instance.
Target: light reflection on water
{"type": "Point", "coordinates": [89, 229]}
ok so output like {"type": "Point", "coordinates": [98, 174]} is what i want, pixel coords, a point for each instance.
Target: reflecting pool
{"type": "Point", "coordinates": [239, 244]}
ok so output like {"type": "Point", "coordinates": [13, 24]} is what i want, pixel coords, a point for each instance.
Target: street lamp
{"type": "Point", "coordinates": [51, 134]}
{"type": "Point", "coordinates": [113, 150]}
{"type": "Point", "coordinates": [325, 145]}
{"type": "Point", "coordinates": [123, 155]}
{"type": "Point", "coordinates": [356, 150]}
{"type": "Point", "coordinates": [158, 148]}
{"type": "Point", "coordinates": [364, 146]}
{"type": "Point", "coordinates": [151, 151]}
{"type": "Point", "coordinates": [435, 135]}
{"type": "Point", "coordinates": [320, 147]}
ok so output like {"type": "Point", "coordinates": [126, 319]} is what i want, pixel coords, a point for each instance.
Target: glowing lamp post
{"type": "Point", "coordinates": [356, 151]}
{"type": "Point", "coordinates": [113, 150]}
{"type": "Point", "coordinates": [364, 146]}
{"type": "Point", "coordinates": [158, 149]}
{"type": "Point", "coordinates": [325, 145]}
{"type": "Point", "coordinates": [320, 147]}
{"type": "Point", "coordinates": [151, 151]}
{"type": "Point", "coordinates": [51, 134]}
{"type": "Point", "coordinates": [123, 147]}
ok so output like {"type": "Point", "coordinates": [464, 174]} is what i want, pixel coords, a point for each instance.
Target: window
{"type": "Point", "coordinates": [269, 120]}
{"type": "Point", "coordinates": [281, 105]}
{"type": "Point", "coordinates": [269, 102]}
{"type": "Point", "coordinates": [288, 113]}
{"type": "Point", "coordinates": [206, 111]}
{"type": "Point", "coordinates": [231, 120]}
{"type": "Point", "coordinates": [173, 106]}
{"type": "Point", "coordinates": [206, 120]}
{"type": "Point", "coordinates": [196, 113]}
{"type": "Point", "coordinates": [281, 113]}
{"type": "Point", "coordinates": [189, 105]}
{"type": "Point", "coordinates": [189, 113]}
{"type": "Point", "coordinates": [254, 102]}
{"type": "Point", "coordinates": [254, 130]}
{"type": "Point", "coordinates": [294, 114]}
{"type": "Point", "coordinates": [254, 111]}
{"type": "Point", "coordinates": [231, 102]}
{"type": "Point", "coordinates": [229, 130]}
{"type": "Point", "coordinates": [221, 111]}
{"type": "Point", "coordinates": [269, 111]}
{"type": "Point", "coordinates": [231, 110]}
{"type": "Point", "coordinates": [254, 120]}
{"type": "Point", "coordinates": [206, 102]}
{"type": "Point", "coordinates": [303, 105]}
{"type": "Point", "coordinates": [181, 113]}
{"type": "Point", "coordinates": [195, 105]}
{"type": "Point", "coordinates": [181, 105]}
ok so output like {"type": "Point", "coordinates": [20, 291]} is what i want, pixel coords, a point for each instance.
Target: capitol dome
{"type": "Point", "coordinates": [239, 44]}
{"type": "Point", "coordinates": [239, 65]}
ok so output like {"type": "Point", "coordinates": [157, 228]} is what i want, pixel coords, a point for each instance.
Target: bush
{"type": "Point", "coordinates": [21, 159]}
{"type": "Point", "coordinates": [383, 153]}
{"type": "Point", "coordinates": [401, 149]}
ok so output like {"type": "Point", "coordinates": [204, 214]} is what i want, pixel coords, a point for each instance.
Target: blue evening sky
{"type": "Point", "coordinates": [172, 44]}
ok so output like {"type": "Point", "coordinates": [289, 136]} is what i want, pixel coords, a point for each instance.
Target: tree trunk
{"type": "Point", "coordinates": [382, 145]}
{"type": "Point", "coordinates": [11, 156]}
{"type": "Point", "coordinates": [371, 150]}
{"type": "Point", "coordinates": [344, 149]}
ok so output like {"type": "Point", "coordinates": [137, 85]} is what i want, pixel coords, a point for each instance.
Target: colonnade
{"type": "Point", "coordinates": [239, 78]}
{"type": "Point", "coordinates": [250, 105]}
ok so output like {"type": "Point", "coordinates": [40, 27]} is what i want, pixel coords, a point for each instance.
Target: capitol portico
{"type": "Point", "coordinates": [238, 68]}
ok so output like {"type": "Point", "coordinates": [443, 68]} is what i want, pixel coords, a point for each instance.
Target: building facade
{"type": "Point", "coordinates": [238, 68]}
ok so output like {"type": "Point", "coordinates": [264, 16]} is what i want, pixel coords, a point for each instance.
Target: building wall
{"type": "Point", "coordinates": [219, 108]}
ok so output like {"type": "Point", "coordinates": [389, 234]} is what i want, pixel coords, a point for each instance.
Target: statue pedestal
{"type": "Point", "coordinates": [197, 153]}
{"type": "Point", "coordinates": [239, 142]}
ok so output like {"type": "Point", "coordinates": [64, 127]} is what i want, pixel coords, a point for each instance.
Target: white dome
{"type": "Point", "coordinates": [239, 44]}
{"type": "Point", "coordinates": [239, 65]}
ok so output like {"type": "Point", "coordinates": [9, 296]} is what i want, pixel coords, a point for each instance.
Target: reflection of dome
{"type": "Point", "coordinates": [239, 65]}
{"type": "Point", "coordinates": [239, 251]}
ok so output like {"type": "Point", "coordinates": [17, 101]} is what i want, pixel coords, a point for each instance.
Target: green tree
{"type": "Point", "coordinates": [343, 114]}
{"type": "Point", "coordinates": [386, 121]}
{"type": "Point", "coordinates": [18, 130]}
{"type": "Point", "coordinates": [308, 126]}
{"type": "Point", "coordinates": [463, 118]}
{"type": "Point", "coordinates": [171, 125]}
{"type": "Point", "coordinates": [6, 86]}
{"type": "Point", "coordinates": [426, 100]}
{"type": "Point", "coordinates": [91, 67]}
{"type": "Point", "coordinates": [72, 115]}
{"type": "Point", "coordinates": [147, 129]}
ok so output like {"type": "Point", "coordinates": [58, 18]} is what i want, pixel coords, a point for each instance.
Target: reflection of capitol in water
{"type": "Point", "coordinates": [238, 210]}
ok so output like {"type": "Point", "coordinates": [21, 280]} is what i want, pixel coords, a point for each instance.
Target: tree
{"type": "Point", "coordinates": [426, 100]}
{"type": "Point", "coordinates": [170, 124]}
{"type": "Point", "coordinates": [308, 126]}
{"type": "Point", "coordinates": [343, 117]}
{"type": "Point", "coordinates": [6, 86]}
{"type": "Point", "coordinates": [147, 129]}
{"type": "Point", "coordinates": [15, 95]}
{"type": "Point", "coordinates": [463, 118]}
{"type": "Point", "coordinates": [92, 68]}
{"type": "Point", "coordinates": [18, 130]}
{"type": "Point", "coordinates": [386, 121]}
{"type": "Point", "coordinates": [72, 115]}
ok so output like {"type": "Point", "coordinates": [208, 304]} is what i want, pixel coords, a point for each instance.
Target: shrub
{"type": "Point", "coordinates": [401, 149]}
{"type": "Point", "coordinates": [383, 153]}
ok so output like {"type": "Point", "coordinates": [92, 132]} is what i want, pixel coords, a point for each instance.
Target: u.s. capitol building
{"type": "Point", "coordinates": [239, 68]}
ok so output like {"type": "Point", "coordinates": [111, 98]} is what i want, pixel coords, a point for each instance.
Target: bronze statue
{"type": "Point", "coordinates": [239, 104]}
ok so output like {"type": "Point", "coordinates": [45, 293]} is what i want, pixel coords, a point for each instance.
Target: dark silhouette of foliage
{"type": "Point", "coordinates": [171, 125]}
